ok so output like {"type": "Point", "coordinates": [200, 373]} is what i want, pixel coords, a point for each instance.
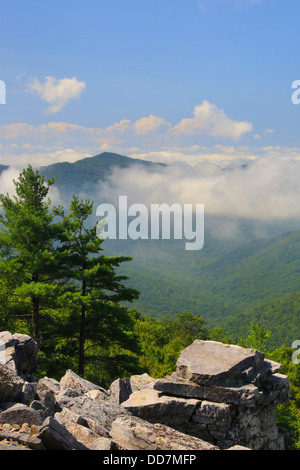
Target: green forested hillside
{"type": "Point", "coordinates": [281, 316]}
{"type": "Point", "coordinates": [227, 282]}
{"type": "Point", "coordinates": [58, 287]}
{"type": "Point", "coordinates": [222, 287]}
{"type": "Point", "coordinates": [232, 281]}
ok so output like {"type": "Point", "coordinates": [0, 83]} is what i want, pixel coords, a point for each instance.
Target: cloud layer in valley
{"type": "Point", "coordinates": [262, 189]}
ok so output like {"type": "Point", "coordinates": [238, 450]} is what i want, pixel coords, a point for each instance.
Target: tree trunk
{"type": "Point", "coordinates": [81, 353]}
{"type": "Point", "coordinates": [35, 303]}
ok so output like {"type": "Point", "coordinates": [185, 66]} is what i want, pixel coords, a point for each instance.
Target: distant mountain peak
{"type": "Point", "coordinates": [83, 174]}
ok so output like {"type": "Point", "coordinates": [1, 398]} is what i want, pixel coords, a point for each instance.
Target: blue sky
{"type": "Point", "coordinates": [155, 79]}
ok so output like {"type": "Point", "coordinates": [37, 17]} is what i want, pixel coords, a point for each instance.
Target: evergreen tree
{"type": "Point", "coordinates": [29, 260]}
{"type": "Point", "coordinates": [97, 317]}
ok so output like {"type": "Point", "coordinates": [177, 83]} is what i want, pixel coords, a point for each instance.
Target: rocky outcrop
{"type": "Point", "coordinates": [223, 394]}
{"type": "Point", "coordinates": [219, 397]}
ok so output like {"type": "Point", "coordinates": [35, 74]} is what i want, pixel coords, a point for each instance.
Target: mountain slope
{"type": "Point", "coordinates": [222, 286]}
{"type": "Point", "coordinates": [280, 315]}
{"type": "Point", "coordinates": [83, 175]}
{"type": "Point", "coordinates": [222, 281]}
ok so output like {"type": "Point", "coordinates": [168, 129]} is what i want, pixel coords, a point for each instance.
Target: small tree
{"type": "Point", "coordinates": [94, 300]}
{"type": "Point", "coordinates": [29, 259]}
{"type": "Point", "coordinates": [257, 338]}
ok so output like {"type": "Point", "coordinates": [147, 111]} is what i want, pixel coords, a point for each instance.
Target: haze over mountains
{"type": "Point", "coordinates": [248, 270]}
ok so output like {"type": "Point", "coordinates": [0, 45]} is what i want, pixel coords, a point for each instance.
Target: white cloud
{"type": "Point", "coordinates": [218, 124]}
{"type": "Point", "coordinates": [267, 189]}
{"type": "Point", "coordinates": [56, 92]}
{"type": "Point", "coordinates": [150, 124]}
{"type": "Point", "coordinates": [7, 178]}
{"type": "Point", "coordinates": [149, 132]}
{"type": "Point", "coordinates": [212, 121]}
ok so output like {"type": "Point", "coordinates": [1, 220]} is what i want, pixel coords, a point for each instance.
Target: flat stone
{"type": "Point", "coordinates": [151, 405]}
{"type": "Point", "coordinates": [139, 382]}
{"type": "Point", "coordinates": [48, 384]}
{"type": "Point", "coordinates": [83, 434]}
{"type": "Point", "coordinates": [247, 394]}
{"type": "Point", "coordinates": [278, 389]}
{"type": "Point", "coordinates": [31, 442]}
{"type": "Point", "coordinates": [214, 363]}
{"type": "Point", "coordinates": [132, 433]}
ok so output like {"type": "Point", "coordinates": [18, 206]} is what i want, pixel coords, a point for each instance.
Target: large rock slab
{"type": "Point", "coordinates": [132, 433]}
{"type": "Point", "coordinates": [56, 437]}
{"type": "Point", "coordinates": [246, 394]}
{"type": "Point", "coordinates": [83, 434]}
{"type": "Point", "coordinates": [152, 406]}
{"type": "Point", "coordinates": [213, 363]}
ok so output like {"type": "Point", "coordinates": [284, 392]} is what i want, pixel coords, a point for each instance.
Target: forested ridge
{"type": "Point", "coordinates": [59, 285]}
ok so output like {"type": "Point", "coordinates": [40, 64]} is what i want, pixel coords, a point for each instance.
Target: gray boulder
{"type": "Point", "coordinates": [10, 384]}
{"type": "Point", "coordinates": [18, 352]}
{"type": "Point", "coordinates": [132, 433]}
{"type": "Point", "coordinates": [20, 414]}
{"type": "Point", "coordinates": [56, 437]}
{"type": "Point", "coordinates": [212, 363]}
{"type": "Point", "coordinates": [98, 414]}
{"type": "Point", "coordinates": [75, 382]}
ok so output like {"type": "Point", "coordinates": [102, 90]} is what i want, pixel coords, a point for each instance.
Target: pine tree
{"type": "Point", "coordinates": [98, 319]}
{"type": "Point", "coordinates": [29, 259]}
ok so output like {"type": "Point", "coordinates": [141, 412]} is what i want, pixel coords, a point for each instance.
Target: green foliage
{"type": "Point", "coordinates": [58, 286]}
{"type": "Point", "coordinates": [27, 238]}
{"type": "Point", "coordinates": [232, 284]}
{"type": "Point", "coordinates": [257, 338]}
{"type": "Point", "coordinates": [288, 414]}
{"type": "Point", "coordinates": [93, 302]}
{"type": "Point", "coordinates": [162, 340]}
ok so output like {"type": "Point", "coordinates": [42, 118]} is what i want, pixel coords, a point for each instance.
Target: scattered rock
{"type": "Point", "coordinates": [219, 397]}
